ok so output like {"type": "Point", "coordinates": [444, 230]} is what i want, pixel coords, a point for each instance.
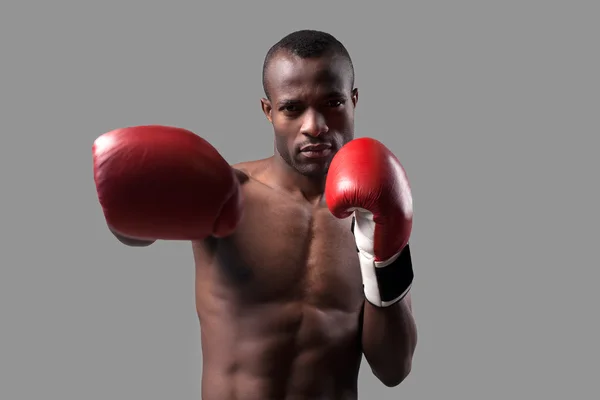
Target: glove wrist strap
{"type": "Point", "coordinates": [385, 282]}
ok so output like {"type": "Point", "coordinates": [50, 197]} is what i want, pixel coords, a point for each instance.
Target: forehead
{"type": "Point", "coordinates": [289, 74]}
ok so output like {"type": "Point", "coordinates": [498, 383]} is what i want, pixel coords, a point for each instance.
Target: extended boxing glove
{"type": "Point", "coordinates": [367, 180]}
{"type": "Point", "coordinates": [159, 182]}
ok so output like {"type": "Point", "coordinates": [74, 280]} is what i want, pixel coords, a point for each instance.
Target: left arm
{"type": "Point", "coordinates": [389, 334]}
{"type": "Point", "coordinates": [366, 180]}
{"type": "Point", "coordinates": [389, 339]}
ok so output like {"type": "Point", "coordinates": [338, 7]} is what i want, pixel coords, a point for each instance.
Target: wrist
{"type": "Point", "coordinates": [385, 282]}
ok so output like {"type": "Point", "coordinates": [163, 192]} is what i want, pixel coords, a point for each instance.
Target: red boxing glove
{"type": "Point", "coordinates": [158, 182]}
{"type": "Point", "coordinates": [366, 179]}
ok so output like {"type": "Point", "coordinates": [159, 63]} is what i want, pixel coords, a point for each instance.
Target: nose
{"type": "Point", "coordinates": [314, 124]}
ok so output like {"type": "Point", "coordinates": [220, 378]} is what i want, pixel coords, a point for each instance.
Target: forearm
{"type": "Point", "coordinates": [389, 338]}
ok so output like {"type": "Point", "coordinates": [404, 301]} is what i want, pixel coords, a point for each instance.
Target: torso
{"type": "Point", "coordinates": [280, 302]}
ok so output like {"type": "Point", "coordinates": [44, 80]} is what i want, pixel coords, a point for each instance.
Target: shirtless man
{"type": "Point", "coordinates": [285, 247]}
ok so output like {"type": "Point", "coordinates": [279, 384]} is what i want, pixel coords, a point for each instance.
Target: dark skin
{"type": "Point", "coordinates": [280, 302]}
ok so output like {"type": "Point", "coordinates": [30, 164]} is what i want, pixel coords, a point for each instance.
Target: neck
{"type": "Point", "coordinates": [287, 178]}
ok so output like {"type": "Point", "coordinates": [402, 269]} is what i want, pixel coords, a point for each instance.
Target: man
{"type": "Point", "coordinates": [302, 259]}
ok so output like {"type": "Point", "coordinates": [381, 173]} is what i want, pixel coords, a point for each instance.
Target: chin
{"type": "Point", "coordinates": [314, 171]}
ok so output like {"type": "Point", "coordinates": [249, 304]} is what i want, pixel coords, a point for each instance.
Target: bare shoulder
{"type": "Point", "coordinates": [246, 173]}
{"type": "Point", "coordinates": [254, 179]}
{"type": "Point", "coordinates": [265, 203]}
{"type": "Point", "coordinates": [250, 170]}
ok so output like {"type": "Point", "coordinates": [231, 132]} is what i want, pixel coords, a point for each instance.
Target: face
{"type": "Point", "coordinates": [311, 108]}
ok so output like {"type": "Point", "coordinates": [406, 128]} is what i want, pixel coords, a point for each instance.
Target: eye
{"type": "Point", "coordinates": [290, 108]}
{"type": "Point", "coordinates": [335, 103]}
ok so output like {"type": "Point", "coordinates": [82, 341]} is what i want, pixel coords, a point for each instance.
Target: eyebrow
{"type": "Point", "coordinates": [288, 102]}
{"type": "Point", "coordinates": [333, 93]}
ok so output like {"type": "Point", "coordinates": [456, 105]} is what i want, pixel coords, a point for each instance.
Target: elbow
{"type": "Point", "coordinates": [132, 242]}
{"type": "Point", "coordinates": [135, 242]}
{"type": "Point", "coordinates": [396, 376]}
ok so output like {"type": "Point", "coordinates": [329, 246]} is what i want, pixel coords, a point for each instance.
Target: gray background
{"type": "Point", "coordinates": [492, 108]}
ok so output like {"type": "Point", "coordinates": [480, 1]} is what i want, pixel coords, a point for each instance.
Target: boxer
{"type": "Point", "coordinates": [302, 259]}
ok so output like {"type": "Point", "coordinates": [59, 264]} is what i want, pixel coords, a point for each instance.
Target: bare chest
{"type": "Point", "coordinates": [286, 251]}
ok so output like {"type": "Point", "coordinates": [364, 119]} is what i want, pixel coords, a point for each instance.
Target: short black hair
{"type": "Point", "coordinates": [307, 43]}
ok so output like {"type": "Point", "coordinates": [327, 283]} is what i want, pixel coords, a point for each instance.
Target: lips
{"type": "Point", "coordinates": [320, 151]}
{"type": "Point", "coordinates": [315, 147]}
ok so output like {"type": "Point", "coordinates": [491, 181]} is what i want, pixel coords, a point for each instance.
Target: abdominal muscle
{"type": "Point", "coordinates": [279, 351]}
{"type": "Point", "coordinates": [279, 303]}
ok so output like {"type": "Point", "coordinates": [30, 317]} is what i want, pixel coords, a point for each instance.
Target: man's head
{"type": "Point", "coordinates": [308, 79]}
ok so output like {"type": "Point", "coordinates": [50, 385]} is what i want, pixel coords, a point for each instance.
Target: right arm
{"type": "Point", "coordinates": [164, 183]}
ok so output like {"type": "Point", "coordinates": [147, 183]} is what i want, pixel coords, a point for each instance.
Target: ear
{"type": "Point", "coordinates": [354, 96]}
{"type": "Point", "coordinates": [267, 108]}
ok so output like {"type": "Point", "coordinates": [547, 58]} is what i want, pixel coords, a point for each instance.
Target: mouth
{"type": "Point", "coordinates": [315, 147]}
{"type": "Point", "coordinates": [316, 150]}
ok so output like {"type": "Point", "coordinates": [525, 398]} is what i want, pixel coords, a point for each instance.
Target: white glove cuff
{"type": "Point", "coordinates": [385, 282]}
